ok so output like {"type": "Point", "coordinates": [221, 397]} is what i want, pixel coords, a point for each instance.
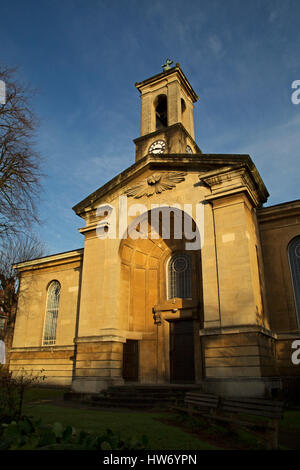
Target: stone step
{"type": "Point", "coordinates": [146, 395]}
{"type": "Point", "coordinates": [148, 390]}
{"type": "Point", "coordinates": [122, 404]}
{"type": "Point", "coordinates": [178, 387]}
{"type": "Point", "coordinates": [134, 396]}
{"type": "Point", "coordinates": [117, 400]}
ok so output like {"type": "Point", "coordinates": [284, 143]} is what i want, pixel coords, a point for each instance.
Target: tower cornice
{"type": "Point", "coordinates": [158, 77]}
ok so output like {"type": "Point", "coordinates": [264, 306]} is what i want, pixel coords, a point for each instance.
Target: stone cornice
{"type": "Point", "coordinates": [52, 260]}
{"type": "Point", "coordinates": [174, 70]}
{"type": "Point", "coordinates": [110, 335]}
{"type": "Point", "coordinates": [231, 180]}
{"type": "Point", "coordinates": [48, 348]}
{"type": "Point", "coordinates": [279, 211]}
{"type": "Point", "coordinates": [229, 330]}
{"type": "Point", "coordinates": [166, 130]}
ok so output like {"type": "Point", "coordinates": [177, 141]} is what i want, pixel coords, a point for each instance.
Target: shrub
{"type": "Point", "coordinates": [12, 389]}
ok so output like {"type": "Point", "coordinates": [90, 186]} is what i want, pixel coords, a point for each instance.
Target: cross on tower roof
{"type": "Point", "coordinates": [166, 66]}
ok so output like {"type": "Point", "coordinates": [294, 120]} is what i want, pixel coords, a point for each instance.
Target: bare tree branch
{"type": "Point", "coordinates": [19, 161]}
{"type": "Point", "coordinates": [15, 249]}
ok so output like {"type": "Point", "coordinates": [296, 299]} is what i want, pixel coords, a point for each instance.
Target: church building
{"type": "Point", "coordinates": [185, 277]}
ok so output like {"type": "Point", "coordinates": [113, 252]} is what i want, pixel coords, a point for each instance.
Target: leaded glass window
{"type": "Point", "coordinates": [53, 296]}
{"type": "Point", "coordinates": [294, 259]}
{"type": "Point", "coordinates": [179, 276]}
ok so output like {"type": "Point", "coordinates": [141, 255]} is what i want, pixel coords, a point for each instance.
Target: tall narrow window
{"type": "Point", "coordinates": [294, 259]}
{"type": "Point", "coordinates": [184, 114]}
{"type": "Point", "coordinates": [53, 296]}
{"type": "Point", "coordinates": [179, 276]}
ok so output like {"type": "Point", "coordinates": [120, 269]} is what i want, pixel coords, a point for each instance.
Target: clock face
{"type": "Point", "coordinates": [157, 147]}
{"type": "Point", "coordinates": [189, 149]}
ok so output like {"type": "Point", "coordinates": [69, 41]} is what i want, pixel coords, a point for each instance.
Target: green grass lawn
{"type": "Point", "coordinates": [291, 419]}
{"type": "Point", "coordinates": [129, 423]}
{"type": "Point", "coordinates": [164, 430]}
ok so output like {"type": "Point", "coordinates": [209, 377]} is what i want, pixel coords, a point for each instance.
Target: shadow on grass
{"type": "Point", "coordinates": [221, 436]}
{"type": "Point", "coordinates": [129, 423]}
{"type": "Point", "coordinates": [165, 430]}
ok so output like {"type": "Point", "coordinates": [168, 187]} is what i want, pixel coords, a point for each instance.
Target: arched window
{"type": "Point", "coordinates": [161, 112]}
{"type": "Point", "coordinates": [294, 259]}
{"type": "Point", "coordinates": [53, 296]}
{"type": "Point", "coordinates": [180, 276]}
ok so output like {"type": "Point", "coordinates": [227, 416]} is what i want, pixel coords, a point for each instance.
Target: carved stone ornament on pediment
{"type": "Point", "coordinates": [155, 184]}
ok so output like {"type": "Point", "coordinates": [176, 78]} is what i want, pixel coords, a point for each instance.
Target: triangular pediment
{"type": "Point", "coordinates": [175, 166]}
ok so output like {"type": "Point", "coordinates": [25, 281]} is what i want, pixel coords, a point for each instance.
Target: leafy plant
{"type": "Point", "coordinates": [29, 434]}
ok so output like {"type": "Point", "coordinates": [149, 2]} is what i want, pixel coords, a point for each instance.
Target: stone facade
{"type": "Point", "coordinates": [28, 352]}
{"type": "Point", "coordinates": [118, 319]}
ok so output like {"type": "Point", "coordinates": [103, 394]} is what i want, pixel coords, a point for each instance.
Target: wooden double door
{"type": "Point", "coordinates": [131, 361]}
{"type": "Point", "coordinates": [182, 361]}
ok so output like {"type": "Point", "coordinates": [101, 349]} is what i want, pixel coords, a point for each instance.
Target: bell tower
{"type": "Point", "coordinates": [167, 114]}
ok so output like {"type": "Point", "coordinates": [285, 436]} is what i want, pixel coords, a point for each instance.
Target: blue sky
{"type": "Point", "coordinates": [84, 57]}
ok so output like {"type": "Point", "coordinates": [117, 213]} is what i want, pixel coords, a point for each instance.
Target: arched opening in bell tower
{"type": "Point", "coordinates": [184, 114]}
{"type": "Point", "coordinates": [161, 112]}
{"type": "Point", "coordinates": [183, 106]}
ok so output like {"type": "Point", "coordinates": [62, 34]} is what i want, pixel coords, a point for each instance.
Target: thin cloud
{"type": "Point", "coordinates": [215, 45]}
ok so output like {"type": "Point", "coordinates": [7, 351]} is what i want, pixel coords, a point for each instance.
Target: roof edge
{"type": "Point", "coordinates": [66, 255]}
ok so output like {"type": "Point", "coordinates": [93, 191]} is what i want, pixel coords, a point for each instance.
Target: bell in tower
{"type": "Point", "coordinates": [167, 114]}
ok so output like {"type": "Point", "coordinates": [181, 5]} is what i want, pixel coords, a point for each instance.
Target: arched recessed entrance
{"type": "Point", "coordinates": [161, 302]}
